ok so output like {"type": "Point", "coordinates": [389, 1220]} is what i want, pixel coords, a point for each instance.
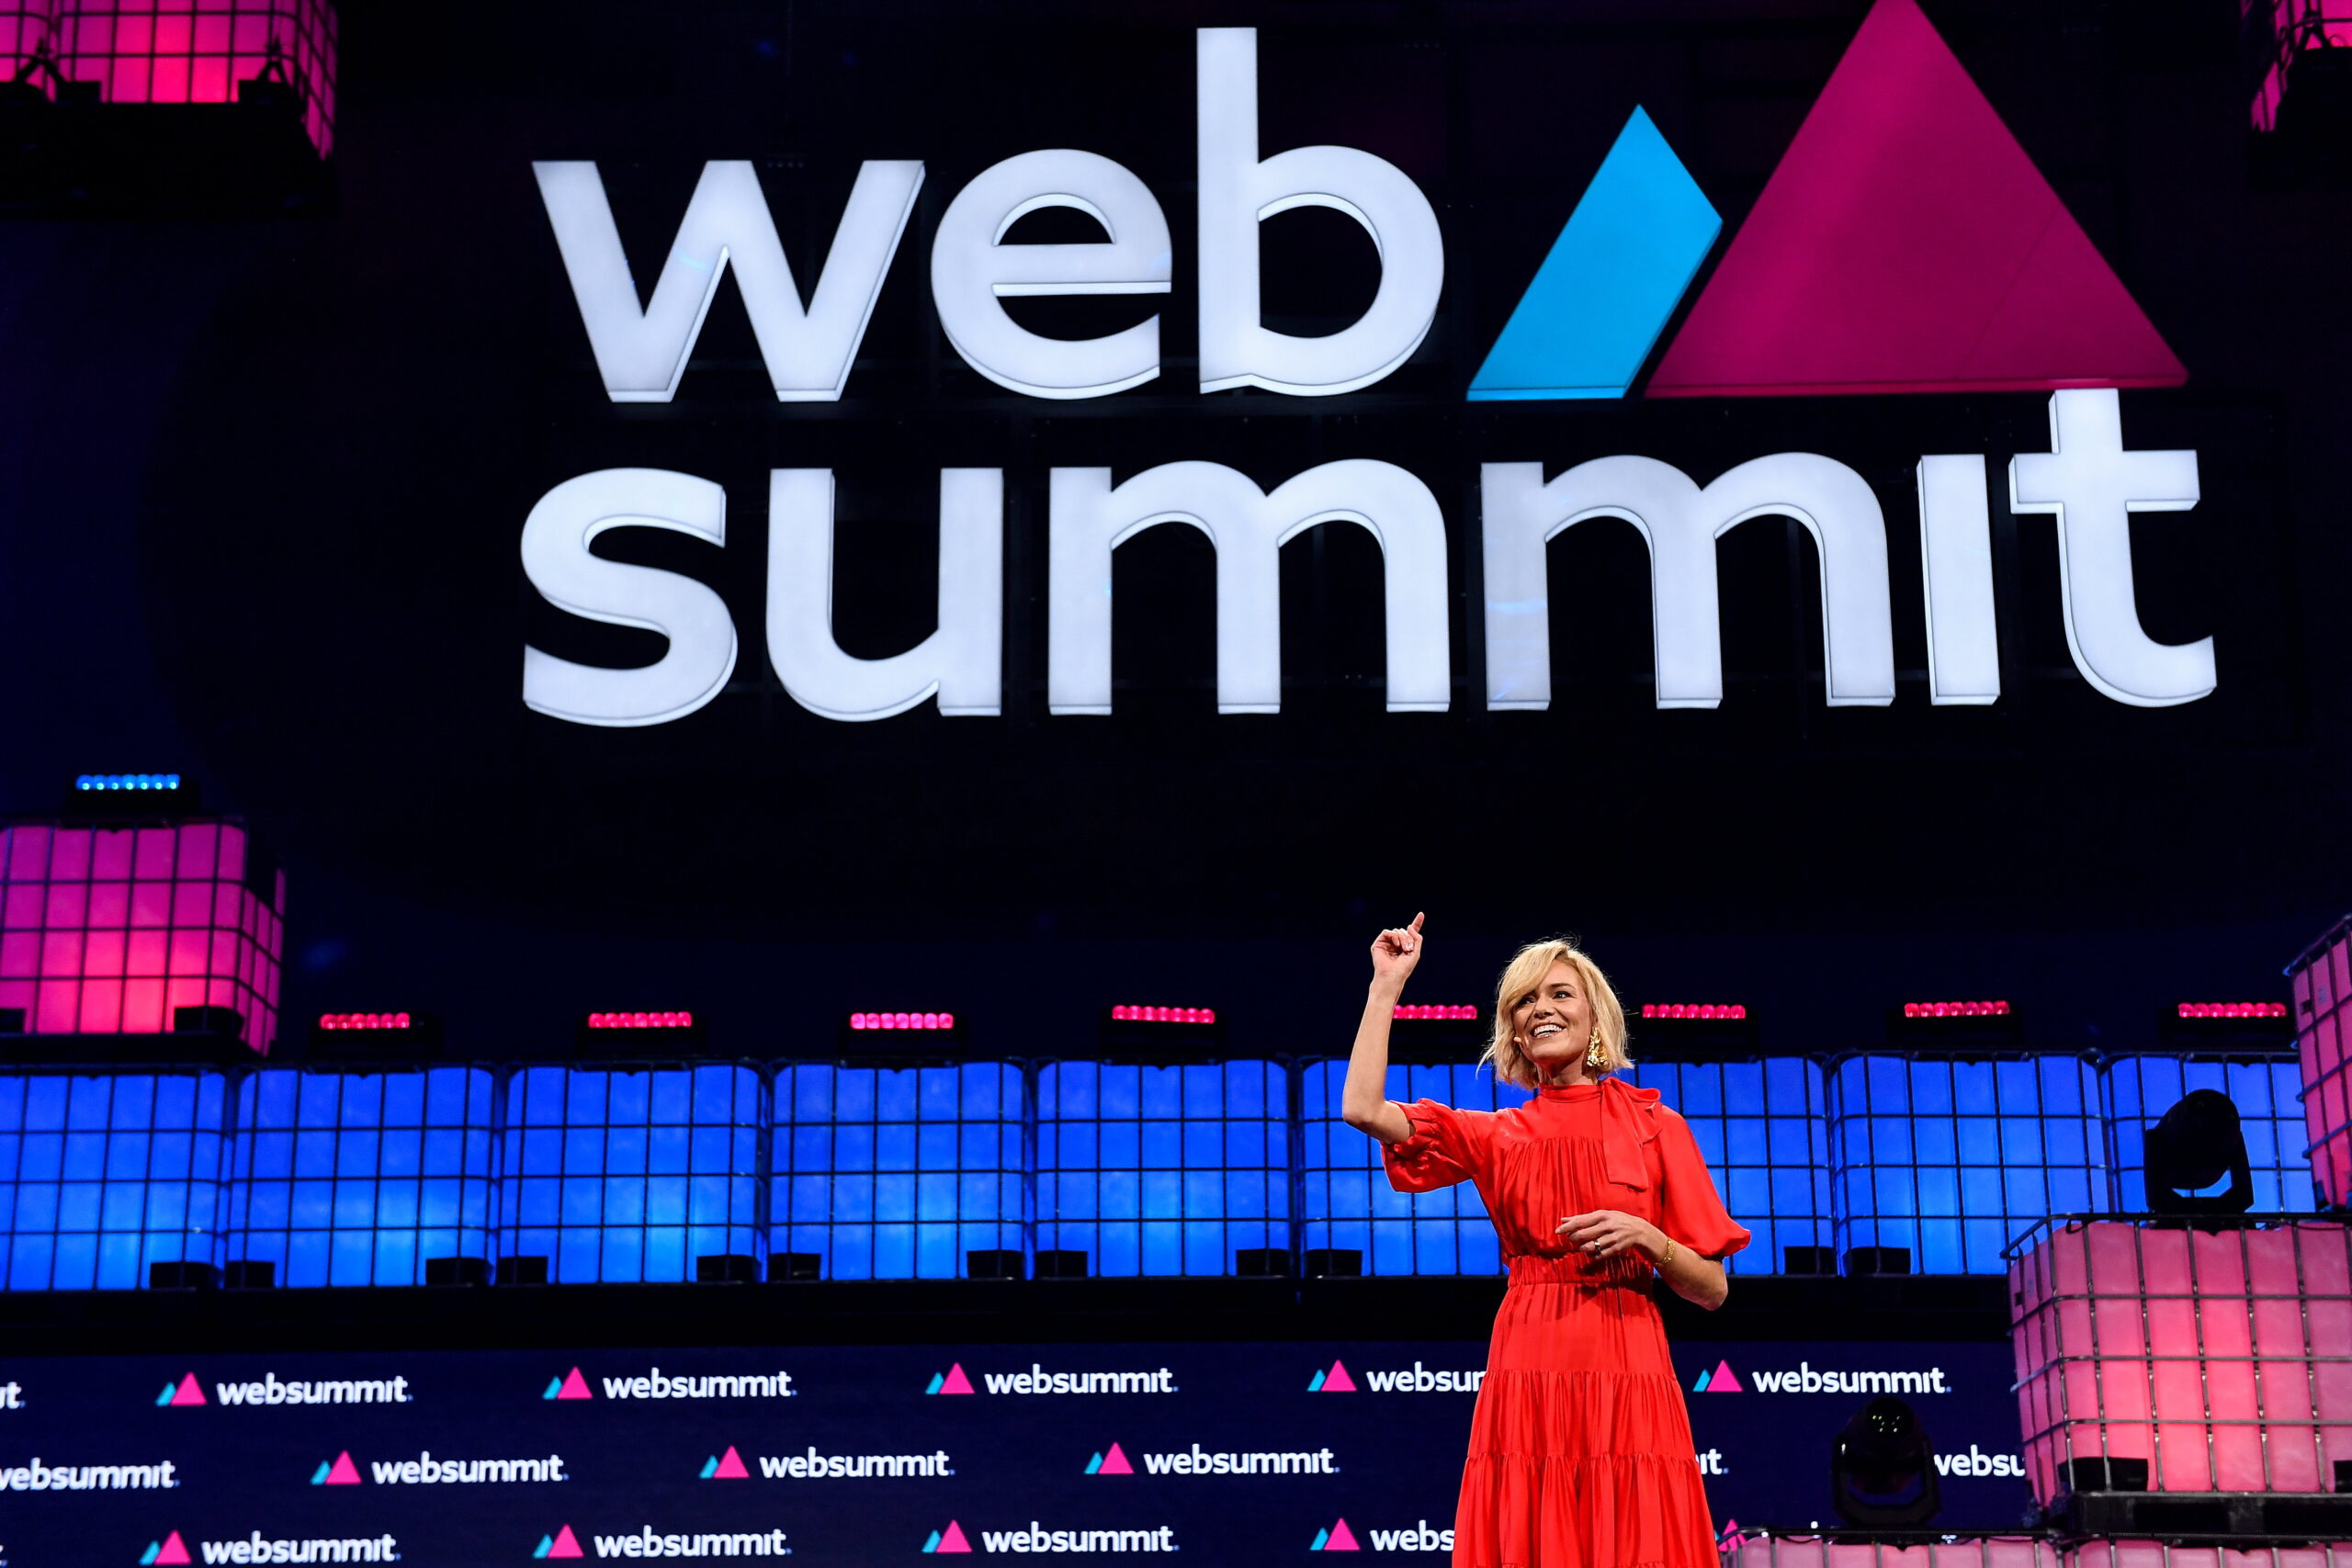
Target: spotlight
{"type": "Point", "coordinates": [2197, 1143]}
{"type": "Point", "coordinates": [1883, 1468]}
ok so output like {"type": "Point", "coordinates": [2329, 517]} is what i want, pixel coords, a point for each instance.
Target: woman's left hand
{"type": "Point", "coordinates": [1605, 1233]}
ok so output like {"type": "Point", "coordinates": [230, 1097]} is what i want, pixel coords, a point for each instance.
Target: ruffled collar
{"type": "Point", "coordinates": [1628, 1121]}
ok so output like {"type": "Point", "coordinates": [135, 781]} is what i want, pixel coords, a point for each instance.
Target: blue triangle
{"type": "Point", "coordinates": [555, 1387]}
{"type": "Point", "coordinates": [1700, 1386]}
{"type": "Point", "coordinates": [1320, 1537]}
{"type": "Point", "coordinates": [933, 1544]}
{"type": "Point", "coordinates": [937, 1380]}
{"type": "Point", "coordinates": [154, 1550]}
{"type": "Point", "coordinates": [710, 1467]}
{"type": "Point", "coordinates": [165, 1398]}
{"type": "Point", "coordinates": [1316, 1385]}
{"type": "Point", "coordinates": [1612, 280]}
{"type": "Point", "coordinates": [1094, 1465]}
{"type": "Point", "coordinates": [547, 1544]}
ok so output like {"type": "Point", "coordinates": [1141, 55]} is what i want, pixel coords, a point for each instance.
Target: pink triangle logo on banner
{"type": "Point", "coordinates": [730, 1467]}
{"type": "Point", "coordinates": [1724, 1379]}
{"type": "Point", "coordinates": [174, 1550]}
{"type": "Point", "coordinates": [566, 1544]}
{"type": "Point", "coordinates": [955, 1382]}
{"type": "Point", "coordinates": [1337, 1381]}
{"type": "Point", "coordinates": [574, 1387]}
{"type": "Point", "coordinates": [1114, 1462]}
{"type": "Point", "coordinates": [1907, 244]}
{"type": "Point", "coordinates": [190, 1391]}
{"type": "Point", "coordinates": [1342, 1538]}
{"type": "Point", "coordinates": [342, 1472]}
{"type": "Point", "coordinates": [952, 1537]}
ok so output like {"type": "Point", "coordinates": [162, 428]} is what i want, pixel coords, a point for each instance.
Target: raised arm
{"type": "Point", "coordinates": [1365, 1104]}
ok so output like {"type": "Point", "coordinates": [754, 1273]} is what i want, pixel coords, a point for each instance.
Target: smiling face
{"type": "Point", "coordinates": [1552, 1024]}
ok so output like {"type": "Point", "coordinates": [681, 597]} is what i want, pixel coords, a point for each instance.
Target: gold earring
{"type": "Point", "coordinates": [1593, 1057]}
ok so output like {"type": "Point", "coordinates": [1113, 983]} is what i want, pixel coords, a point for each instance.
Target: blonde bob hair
{"type": "Point", "coordinates": [1521, 976]}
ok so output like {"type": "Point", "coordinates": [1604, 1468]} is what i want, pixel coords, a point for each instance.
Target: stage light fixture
{"type": "Point", "coordinates": [931, 1020]}
{"type": "Point", "coordinates": [1883, 1468]}
{"type": "Point", "coordinates": [2193, 1147]}
{"type": "Point", "coordinates": [1956, 1009]}
{"type": "Point", "coordinates": [1417, 1012]}
{"type": "Point", "coordinates": [1167, 1015]}
{"type": "Point", "coordinates": [125, 781]}
{"type": "Point", "coordinates": [1693, 1011]}
{"type": "Point", "coordinates": [641, 1020]}
{"type": "Point", "coordinates": [363, 1021]}
{"type": "Point", "coordinates": [2232, 1009]}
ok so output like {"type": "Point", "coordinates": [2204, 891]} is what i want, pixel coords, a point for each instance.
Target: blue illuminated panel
{"type": "Point", "coordinates": [898, 1173]}
{"type": "Point", "coordinates": [1952, 1159]}
{"type": "Point", "coordinates": [358, 1178]}
{"type": "Point", "coordinates": [631, 1173]}
{"type": "Point", "coordinates": [2140, 1089]}
{"type": "Point", "coordinates": [103, 1174]}
{"type": "Point", "coordinates": [1349, 1202]}
{"type": "Point", "coordinates": [1162, 1171]}
{"type": "Point", "coordinates": [1762, 1127]}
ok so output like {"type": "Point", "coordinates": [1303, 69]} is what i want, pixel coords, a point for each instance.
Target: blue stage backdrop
{"type": "Point", "coordinates": [1234, 1453]}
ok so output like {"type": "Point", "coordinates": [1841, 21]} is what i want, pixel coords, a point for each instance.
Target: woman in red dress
{"type": "Point", "coordinates": [1580, 1452]}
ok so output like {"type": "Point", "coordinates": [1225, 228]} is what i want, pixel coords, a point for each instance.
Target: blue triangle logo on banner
{"type": "Point", "coordinates": [1612, 280]}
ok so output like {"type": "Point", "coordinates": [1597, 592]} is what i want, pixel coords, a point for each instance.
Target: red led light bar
{"type": "Point", "coordinates": [641, 1020]}
{"type": "Point", "coordinates": [1168, 1015]}
{"type": "Point", "coordinates": [1439, 1010]}
{"type": "Point", "coordinates": [363, 1020]}
{"type": "Point", "coordinates": [2233, 1009]}
{"type": "Point", "coordinates": [902, 1021]}
{"type": "Point", "coordinates": [1955, 1010]}
{"type": "Point", "coordinates": [1693, 1009]}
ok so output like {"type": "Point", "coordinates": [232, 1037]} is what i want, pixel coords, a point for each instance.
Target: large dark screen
{"type": "Point", "coordinates": [272, 480]}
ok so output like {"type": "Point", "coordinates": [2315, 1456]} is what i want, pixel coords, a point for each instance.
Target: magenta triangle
{"type": "Point", "coordinates": [1342, 1538]}
{"type": "Point", "coordinates": [1725, 1381]}
{"type": "Point", "coordinates": [566, 1544]}
{"type": "Point", "coordinates": [1114, 1462]}
{"type": "Point", "coordinates": [1338, 1382]}
{"type": "Point", "coordinates": [952, 1537]}
{"type": "Point", "coordinates": [342, 1472]}
{"type": "Point", "coordinates": [956, 1382]}
{"type": "Point", "coordinates": [1907, 244]}
{"type": "Point", "coordinates": [730, 1467]}
{"type": "Point", "coordinates": [574, 1387]}
{"type": "Point", "coordinates": [175, 1550]}
{"type": "Point", "coordinates": [190, 1391]}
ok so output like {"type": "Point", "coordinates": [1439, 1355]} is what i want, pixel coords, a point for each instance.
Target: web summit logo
{"type": "Point", "coordinates": [1416, 1379]}
{"type": "Point", "coordinates": [1037, 1538]}
{"type": "Point", "coordinates": [259, 1548]}
{"type": "Point", "coordinates": [1037, 1380]}
{"type": "Point", "coordinates": [1852, 272]}
{"type": "Point", "coordinates": [1803, 1379]}
{"type": "Point", "coordinates": [654, 1384]}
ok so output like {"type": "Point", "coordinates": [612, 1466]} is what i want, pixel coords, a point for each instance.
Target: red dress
{"type": "Point", "coordinates": [1580, 1452]}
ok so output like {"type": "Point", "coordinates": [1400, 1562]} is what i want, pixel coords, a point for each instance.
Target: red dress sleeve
{"type": "Point", "coordinates": [1447, 1145]}
{"type": "Point", "coordinates": [1688, 1210]}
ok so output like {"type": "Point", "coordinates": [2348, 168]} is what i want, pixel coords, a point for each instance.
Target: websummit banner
{"type": "Point", "coordinates": [1243, 1453]}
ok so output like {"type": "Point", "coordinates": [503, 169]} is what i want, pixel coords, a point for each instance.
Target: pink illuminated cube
{"type": "Point", "coordinates": [1811, 1552]}
{"type": "Point", "coordinates": [2220, 1359]}
{"type": "Point", "coordinates": [202, 51]}
{"type": "Point", "coordinates": [2294, 26]}
{"type": "Point", "coordinates": [25, 27]}
{"type": "Point", "coordinates": [109, 930]}
{"type": "Point", "coordinates": [2321, 982]}
{"type": "Point", "coordinates": [2165, 1554]}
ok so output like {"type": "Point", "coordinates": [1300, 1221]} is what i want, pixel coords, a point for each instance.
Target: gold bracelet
{"type": "Point", "coordinates": [1666, 1256]}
